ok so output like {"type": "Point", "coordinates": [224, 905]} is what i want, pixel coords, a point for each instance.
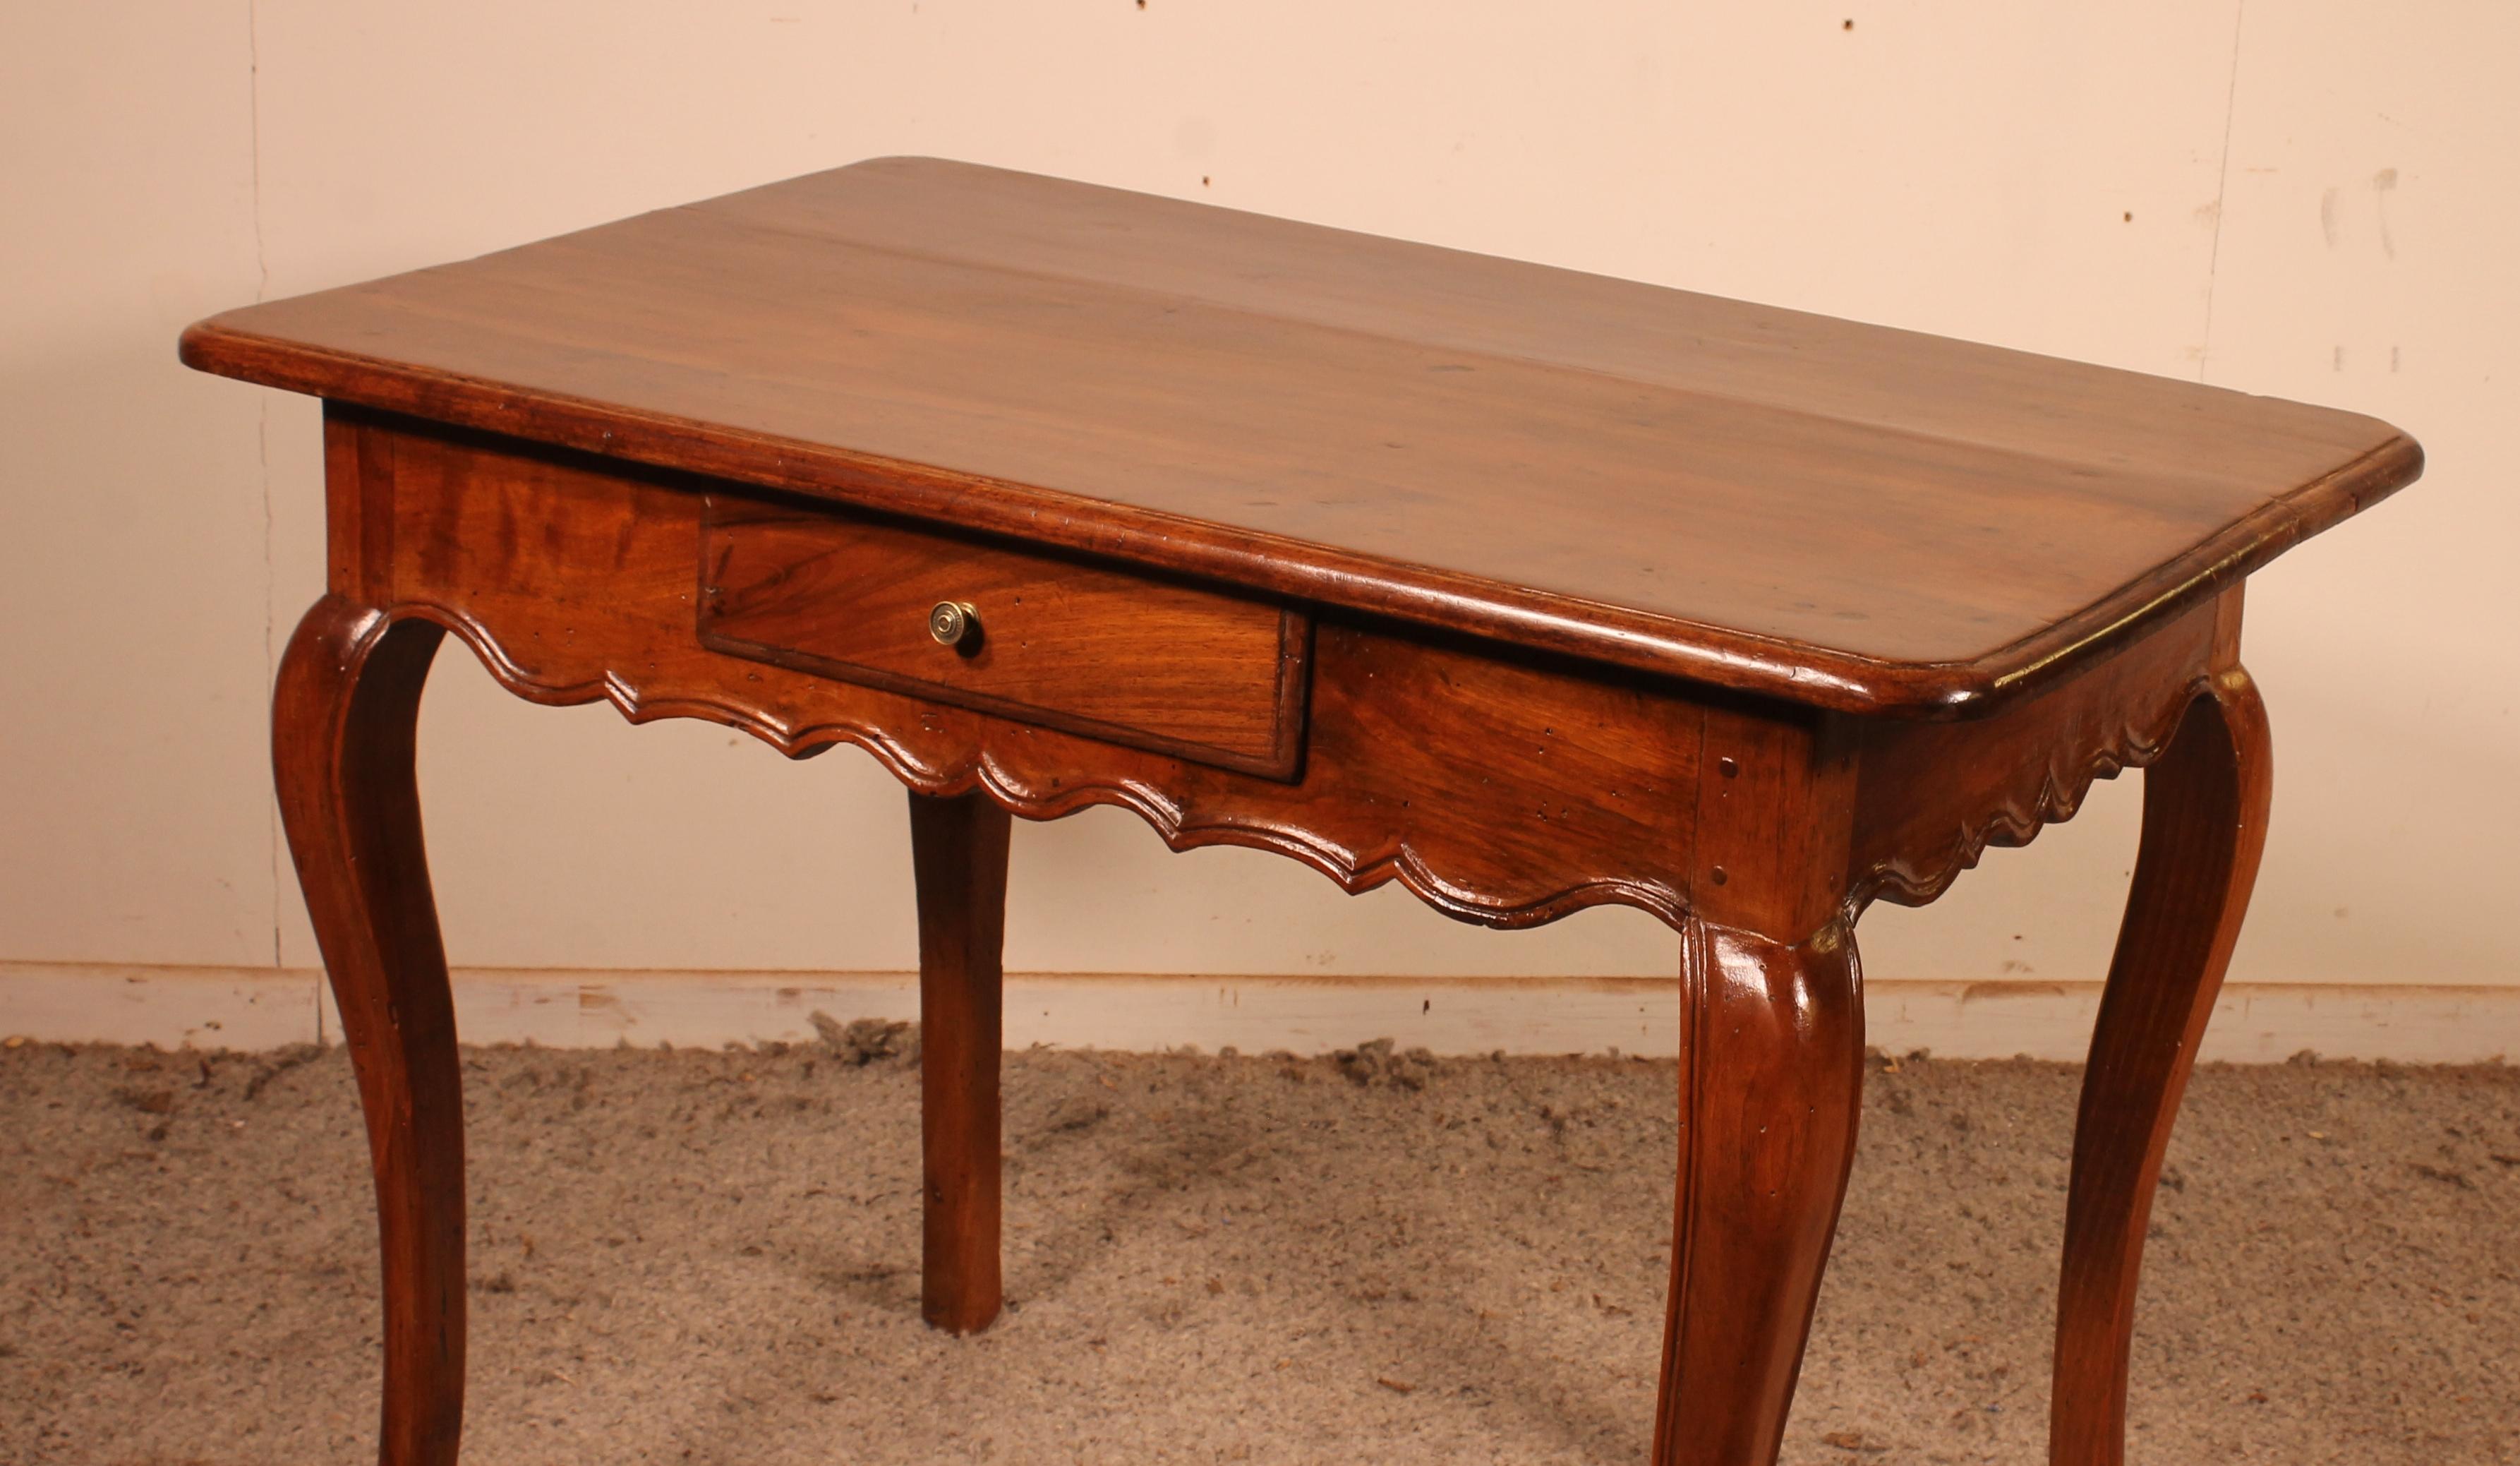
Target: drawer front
{"type": "Point", "coordinates": [1062, 642]}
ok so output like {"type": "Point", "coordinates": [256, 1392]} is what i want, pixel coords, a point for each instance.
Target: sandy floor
{"type": "Point", "coordinates": [687, 1257]}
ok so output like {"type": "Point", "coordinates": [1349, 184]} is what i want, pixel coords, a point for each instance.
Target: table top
{"type": "Point", "coordinates": [1843, 515]}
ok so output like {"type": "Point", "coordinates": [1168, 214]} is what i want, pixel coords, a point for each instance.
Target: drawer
{"type": "Point", "coordinates": [1048, 638]}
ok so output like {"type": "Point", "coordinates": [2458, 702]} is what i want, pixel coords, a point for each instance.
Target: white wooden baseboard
{"type": "Point", "coordinates": [212, 1007]}
{"type": "Point", "coordinates": [173, 1007]}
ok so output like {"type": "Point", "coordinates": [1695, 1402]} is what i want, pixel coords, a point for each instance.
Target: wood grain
{"type": "Point", "coordinates": [958, 850]}
{"type": "Point", "coordinates": [1772, 1076]}
{"type": "Point", "coordinates": [1934, 795]}
{"type": "Point", "coordinates": [1500, 790]}
{"type": "Point", "coordinates": [1823, 512]}
{"type": "Point", "coordinates": [343, 718]}
{"type": "Point", "coordinates": [2205, 806]}
{"type": "Point", "coordinates": [1061, 641]}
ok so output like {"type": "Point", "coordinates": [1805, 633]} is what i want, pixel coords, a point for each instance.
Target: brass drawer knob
{"type": "Point", "coordinates": [953, 623]}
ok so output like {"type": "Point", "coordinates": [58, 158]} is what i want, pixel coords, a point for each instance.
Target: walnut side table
{"type": "Point", "coordinates": [1528, 589]}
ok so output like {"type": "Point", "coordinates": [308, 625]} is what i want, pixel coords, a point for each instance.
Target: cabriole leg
{"type": "Point", "coordinates": [2204, 825]}
{"type": "Point", "coordinates": [1772, 1076]}
{"type": "Point", "coordinates": [342, 720]}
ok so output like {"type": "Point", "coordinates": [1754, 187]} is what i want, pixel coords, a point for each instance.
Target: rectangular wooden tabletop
{"type": "Point", "coordinates": [1843, 515]}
